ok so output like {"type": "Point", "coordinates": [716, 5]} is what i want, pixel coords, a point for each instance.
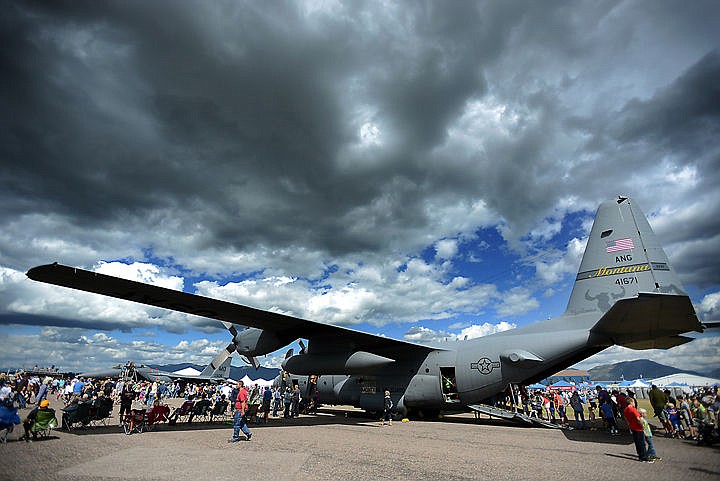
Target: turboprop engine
{"type": "Point", "coordinates": [335, 363]}
{"type": "Point", "coordinates": [252, 342]}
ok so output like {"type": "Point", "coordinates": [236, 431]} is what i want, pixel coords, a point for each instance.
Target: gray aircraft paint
{"type": "Point", "coordinates": [625, 293]}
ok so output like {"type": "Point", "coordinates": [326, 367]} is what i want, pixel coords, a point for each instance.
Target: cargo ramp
{"type": "Point", "coordinates": [518, 418]}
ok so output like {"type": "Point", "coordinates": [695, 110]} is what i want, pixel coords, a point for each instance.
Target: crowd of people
{"type": "Point", "coordinates": [78, 394]}
{"type": "Point", "coordinates": [687, 416]}
{"type": "Point", "coordinates": [695, 415]}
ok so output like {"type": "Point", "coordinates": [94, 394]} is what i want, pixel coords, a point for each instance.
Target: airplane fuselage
{"type": "Point", "coordinates": [461, 373]}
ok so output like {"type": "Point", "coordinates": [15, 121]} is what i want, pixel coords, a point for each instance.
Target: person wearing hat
{"type": "Point", "coordinates": [32, 416]}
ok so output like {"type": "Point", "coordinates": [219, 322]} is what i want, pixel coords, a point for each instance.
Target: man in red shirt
{"type": "Point", "coordinates": [632, 416]}
{"type": "Point", "coordinates": [239, 421]}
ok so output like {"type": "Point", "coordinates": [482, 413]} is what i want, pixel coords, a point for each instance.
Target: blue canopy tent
{"type": "Point", "coordinates": [562, 386]}
{"type": "Point", "coordinates": [537, 386]}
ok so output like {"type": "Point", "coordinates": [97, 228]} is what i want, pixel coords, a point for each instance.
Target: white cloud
{"type": "Point", "coordinates": [485, 329]}
{"type": "Point", "coordinates": [446, 248]}
{"type": "Point", "coordinates": [709, 308]}
{"type": "Point", "coordinates": [140, 272]}
{"type": "Point", "coordinates": [425, 335]}
{"type": "Point", "coordinates": [554, 271]}
{"type": "Point", "coordinates": [516, 301]}
{"type": "Point", "coordinates": [78, 350]}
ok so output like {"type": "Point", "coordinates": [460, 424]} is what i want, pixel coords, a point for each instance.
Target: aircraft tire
{"type": "Point", "coordinates": [428, 413]}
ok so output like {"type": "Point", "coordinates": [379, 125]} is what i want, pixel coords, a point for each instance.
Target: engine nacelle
{"type": "Point", "coordinates": [342, 363]}
{"type": "Point", "coordinates": [257, 342]}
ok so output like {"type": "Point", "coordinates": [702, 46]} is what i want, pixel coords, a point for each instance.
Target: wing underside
{"type": "Point", "coordinates": [287, 327]}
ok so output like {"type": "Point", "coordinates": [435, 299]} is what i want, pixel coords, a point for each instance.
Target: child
{"type": "Point", "coordinates": [591, 417]}
{"type": "Point", "coordinates": [651, 454]}
{"type": "Point", "coordinates": [674, 419]}
{"type": "Point", "coordinates": [607, 412]}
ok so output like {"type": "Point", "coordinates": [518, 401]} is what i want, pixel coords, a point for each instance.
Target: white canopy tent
{"type": "Point", "coordinates": [685, 378]}
{"type": "Point", "coordinates": [259, 381]}
{"type": "Point", "coordinates": [188, 371]}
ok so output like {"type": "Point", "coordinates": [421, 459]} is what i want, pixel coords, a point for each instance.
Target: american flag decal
{"type": "Point", "coordinates": [623, 244]}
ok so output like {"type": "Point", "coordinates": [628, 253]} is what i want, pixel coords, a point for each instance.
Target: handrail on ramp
{"type": "Point", "coordinates": [519, 418]}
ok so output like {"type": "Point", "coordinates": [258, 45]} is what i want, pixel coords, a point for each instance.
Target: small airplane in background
{"type": "Point", "coordinates": [142, 372]}
{"type": "Point", "coordinates": [625, 293]}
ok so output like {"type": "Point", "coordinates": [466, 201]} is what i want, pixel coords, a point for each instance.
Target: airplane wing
{"type": "Point", "coordinates": [283, 326]}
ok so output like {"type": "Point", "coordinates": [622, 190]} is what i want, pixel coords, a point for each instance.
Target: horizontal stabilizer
{"type": "Point", "coordinates": [660, 343]}
{"type": "Point", "coordinates": [710, 324]}
{"type": "Point", "coordinates": [649, 319]}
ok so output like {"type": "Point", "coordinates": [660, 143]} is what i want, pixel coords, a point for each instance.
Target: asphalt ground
{"type": "Point", "coordinates": [339, 443]}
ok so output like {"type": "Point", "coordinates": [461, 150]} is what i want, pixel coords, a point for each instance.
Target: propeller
{"type": "Point", "coordinates": [252, 360]}
{"type": "Point", "coordinates": [302, 346]}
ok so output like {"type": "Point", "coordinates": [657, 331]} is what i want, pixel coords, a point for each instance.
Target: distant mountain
{"type": "Point", "coordinates": [644, 368]}
{"type": "Point", "coordinates": [235, 372]}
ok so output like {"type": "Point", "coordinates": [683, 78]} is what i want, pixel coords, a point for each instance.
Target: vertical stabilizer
{"type": "Point", "coordinates": [622, 259]}
{"type": "Point", "coordinates": [220, 366]}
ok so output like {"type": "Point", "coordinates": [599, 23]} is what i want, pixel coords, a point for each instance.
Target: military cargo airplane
{"type": "Point", "coordinates": [210, 374]}
{"type": "Point", "coordinates": [625, 293]}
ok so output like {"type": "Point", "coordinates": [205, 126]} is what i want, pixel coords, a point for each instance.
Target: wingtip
{"type": "Point", "coordinates": [34, 273]}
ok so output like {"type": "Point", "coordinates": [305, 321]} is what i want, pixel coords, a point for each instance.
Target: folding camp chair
{"type": "Point", "coordinates": [219, 411]}
{"type": "Point", "coordinates": [135, 421]}
{"type": "Point", "coordinates": [180, 414]}
{"type": "Point", "coordinates": [101, 413]}
{"type": "Point", "coordinates": [156, 415]}
{"type": "Point", "coordinates": [80, 416]}
{"type": "Point", "coordinates": [45, 422]}
{"type": "Point", "coordinates": [200, 412]}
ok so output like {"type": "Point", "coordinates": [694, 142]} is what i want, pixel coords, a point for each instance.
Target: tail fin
{"type": "Point", "coordinates": [220, 366]}
{"type": "Point", "coordinates": [622, 259]}
{"type": "Point", "coordinates": [625, 277]}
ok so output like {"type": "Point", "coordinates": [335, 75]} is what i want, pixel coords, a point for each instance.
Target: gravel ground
{"type": "Point", "coordinates": [334, 446]}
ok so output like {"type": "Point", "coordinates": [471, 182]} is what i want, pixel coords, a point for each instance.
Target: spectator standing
{"type": "Point", "coordinates": [295, 409]}
{"type": "Point", "coordinates": [277, 397]}
{"type": "Point", "coordinates": [267, 400]}
{"type": "Point", "coordinates": [632, 416]}
{"type": "Point", "coordinates": [388, 405]}
{"type": "Point", "coordinates": [650, 449]}
{"type": "Point", "coordinates": [287, 400]}
{"type": "Point", "coordinates": [577, 406]}
{"type": "Point", "coordinates": [609, 416]}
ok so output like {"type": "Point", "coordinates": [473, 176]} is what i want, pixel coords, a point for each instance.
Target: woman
{"type": "Point", "coordinates": [388, 410]}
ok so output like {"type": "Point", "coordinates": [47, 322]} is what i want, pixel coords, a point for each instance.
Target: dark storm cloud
{"type": "Point", "coordinates": [231, 126]}
{"type": "Point", "coordinates": [684, 117]}
{"type": "Point", "coordinates": [226, 115]}
{"type": "Point", "coordinates": [35, 320]}
{"type": "Point", "coordinates": [678, 125]}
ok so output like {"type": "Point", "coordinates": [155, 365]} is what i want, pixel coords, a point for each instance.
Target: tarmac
{"type": "Point", "coordinates": [340, 443]}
